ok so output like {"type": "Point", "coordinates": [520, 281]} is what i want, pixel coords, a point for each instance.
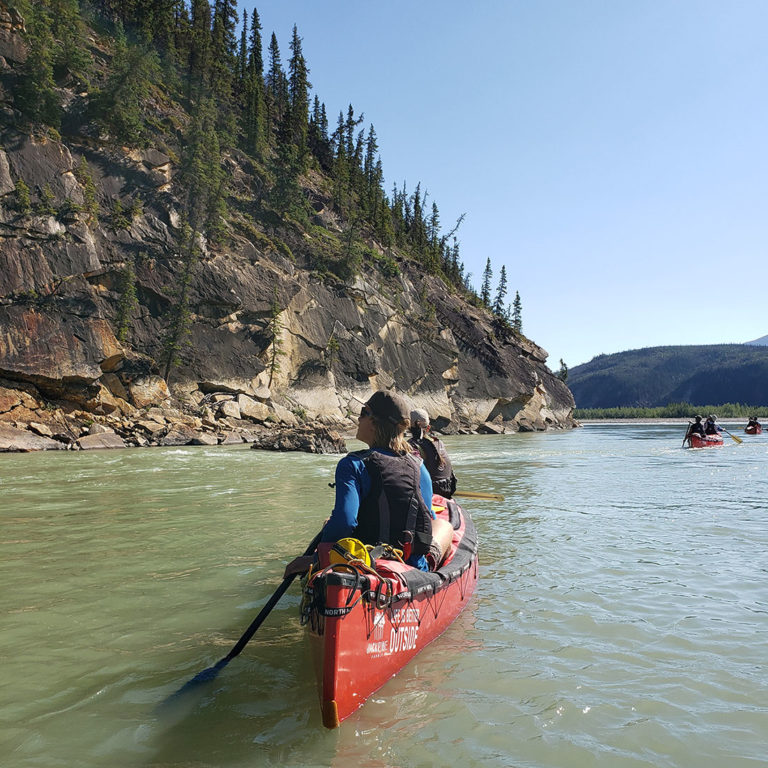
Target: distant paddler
{"type": "Point", "coordinates": [754, 427]}
{"type": "Point", "coordinates": [697, 428]}
{"type": "Point", "coordinates": [433, 454]}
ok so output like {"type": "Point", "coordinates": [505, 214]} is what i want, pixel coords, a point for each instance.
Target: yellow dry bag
{"type": "Point", "coordinates": [346, 550]}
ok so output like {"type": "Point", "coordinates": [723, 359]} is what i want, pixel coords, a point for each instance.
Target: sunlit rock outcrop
{"type": "Point", "coordinates": [268, 339]}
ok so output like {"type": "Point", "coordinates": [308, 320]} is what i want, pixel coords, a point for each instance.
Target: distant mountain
{"type": "Point", "coordinates": [762, 341]}
{"type": "Point", "coordinates": [656, 376]}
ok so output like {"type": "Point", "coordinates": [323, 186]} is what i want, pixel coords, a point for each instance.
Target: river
{"type": "Point", "coordinates": [621, 617]}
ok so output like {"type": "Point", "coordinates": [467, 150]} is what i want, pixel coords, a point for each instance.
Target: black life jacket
{"type": "Point", "coordinates": [394, 512]}
{"type": "Point", "coordinates": [437, 463]}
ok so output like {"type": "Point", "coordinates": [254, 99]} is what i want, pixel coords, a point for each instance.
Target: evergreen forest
{"type": "Point", "coordinates": [665, 377]}
{"type": "Point", "coordinates": [202, 81]}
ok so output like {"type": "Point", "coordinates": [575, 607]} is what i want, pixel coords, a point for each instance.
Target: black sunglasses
{"type": "Point", "coordinates": [365, 411]}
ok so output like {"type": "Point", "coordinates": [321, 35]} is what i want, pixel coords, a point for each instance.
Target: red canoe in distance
{"type": "Point", "coordinates": [365, 626]}
{"type": "Point", "coordinates": [754, 429]}
{"type": "Point", "coordinates": [708, 441]}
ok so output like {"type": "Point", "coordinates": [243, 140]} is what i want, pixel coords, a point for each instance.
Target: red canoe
{"type": "Point", "coordinates": [754, 430]}
{"type": "Point", "coordinates": [364, 627]}
{"type": "Point", "coordinates": [708, 441]}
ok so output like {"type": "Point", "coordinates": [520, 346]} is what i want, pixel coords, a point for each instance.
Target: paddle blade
{"type": "Point", "coordinates": [208, 674]}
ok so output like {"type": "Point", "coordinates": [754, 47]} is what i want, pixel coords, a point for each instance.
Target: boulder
{"type": "Point", "coordinates": [231, 438]}
{"type": "Point", "coordinates": [40, 429]}
{"type": "Point", "coordinates": [9, 399]}
{"type": "Point", "coordinates": [100, 429]}
{"type": "Point", "coordinates": [148, 390]}
{"type": "Point", "coordinates": [204, 438]}
{"type": "Point", "coordinates": [112, 382]}
{"type": "Point", "coordinates": [178, 435]}
{"type": "Point", "coordinates": [252, 409]}
{"type": "Point", "coordinates": [309, 439]}
{"type": "Point", "coordinates": [151, 427]}
{"type": "Point", "coordinates": [489, 428]}
{"type": "Point", "coordinates": [101, 440]}
{"type": "Point", "coordinates": [22, 441]}
{"type": "Point", "coordinates": [229, 409]}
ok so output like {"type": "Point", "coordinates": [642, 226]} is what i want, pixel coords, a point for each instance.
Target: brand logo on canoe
{"type": "Point", "coordinates": [403, 632]}
{"type": "Point", "coordinates": [379, 620]}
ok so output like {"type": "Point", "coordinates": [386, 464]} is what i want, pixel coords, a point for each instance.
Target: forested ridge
{"type": "Point", "coordinates": [184, 234]}
{"type": "Point", "coordinates": [202, 80]}
{"type": "Point", "coordinates": [658, 376]}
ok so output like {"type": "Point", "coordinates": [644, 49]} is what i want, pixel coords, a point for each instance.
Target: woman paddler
{"type": "Point", "coordinates": [384, 493]}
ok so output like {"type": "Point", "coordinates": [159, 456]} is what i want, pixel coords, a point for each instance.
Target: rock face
{"type": "Point", "coordinates": [306, 439]}
{"type": "Point", "coordinates": [270, 340]}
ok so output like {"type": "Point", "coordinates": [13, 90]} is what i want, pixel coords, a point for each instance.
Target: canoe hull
{"type": "Point", "coordinates": [708, 441]}
{"type": "Point", "coordinates": [361, 634]}
{"type": "Point", "coordinates": [758, 430]}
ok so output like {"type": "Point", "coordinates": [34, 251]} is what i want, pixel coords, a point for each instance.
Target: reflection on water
{"type": "Point", "coordinates": [618, 621]}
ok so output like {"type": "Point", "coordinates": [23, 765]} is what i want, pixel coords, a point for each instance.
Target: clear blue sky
{"type": "Point", "coordinates": [611, 153]}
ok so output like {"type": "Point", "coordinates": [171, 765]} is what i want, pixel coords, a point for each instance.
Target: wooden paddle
{"type": "Point", "coordinates": [478, 495]}
{"type": "Point", "coordinates": [733, 437]}
{"type": "Point", "coordinates": [687, 432]}
{"type": "Point", "coordinates": [211, 672]}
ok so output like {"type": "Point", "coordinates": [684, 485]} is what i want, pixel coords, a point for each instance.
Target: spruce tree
{"type": "Point", "coordinates": [224, 67]}
{"type": "Point", "coordinates": [199, 48]}
{"type": "Point", "coordinates": [517, 313]}
{"type": "Point", "coordinates": [35, 94]}
{"type": "Point", "coordinates": [417, 232]}
{"type": "Point", "coordinates": [317, 136]}
{"type": "Point", "coordinates": [297, 114]}
{"type": "Point", "coordinates": [501, 292]}
{"type": "Point", "coordinates": [275, 329]}
{"type": "Point", "coordinates": [485, 290]}
{"type": "Point", "coordinates": [341, 167]}
{"type": "Point", "coordinates": [242, 56]}
{"type": "Point", "coordinates": [256, 60]}
{"type": "Point", "coordinates": [71, 57]}
{"type": "Point", "coordinates": [23, 202]}
{"type": "Point", "coordinates": [254, 113]}
{"type": "Point", "coordinates": [276, 90]}
{"type": "Point", "coordinates": [127, 302]}
{"type": "Point", "coordinates": [119, 106]}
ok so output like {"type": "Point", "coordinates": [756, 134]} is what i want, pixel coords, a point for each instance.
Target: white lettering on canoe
{"type": "Point", "coordinates": [403, 632]}
{"type": "Point", "coordinates": [404, 638]}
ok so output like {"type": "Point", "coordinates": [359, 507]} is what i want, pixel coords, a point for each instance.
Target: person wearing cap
{"type": "Point", "coordinates": [697, 428]}
{"type": "Point", "coordinates": [711, 428]}
{"type": "Point", "coordinates": [384, 493]}
{"type": "Point", "coordinates": [433, 454]}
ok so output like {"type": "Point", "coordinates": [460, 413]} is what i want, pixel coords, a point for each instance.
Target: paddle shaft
{"type": "Point", "coordinates": [478, 495]}
{"type": "Point", "coordinates": [209, 673]}
{"type": "Point", "coordinates": [687, 432]}
{"type": "Point", "coordinates": [271, 603]}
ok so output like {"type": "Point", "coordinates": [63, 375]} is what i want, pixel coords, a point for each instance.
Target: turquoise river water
{"type": "Point", "coordinates": [621, 618]}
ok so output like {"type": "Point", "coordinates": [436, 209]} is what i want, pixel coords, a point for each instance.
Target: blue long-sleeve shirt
{"type": "Point", "coordinates": [353, 484]}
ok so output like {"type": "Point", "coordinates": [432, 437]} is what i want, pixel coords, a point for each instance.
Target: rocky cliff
{"type": "Point", "coordinates": [91, 273]}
